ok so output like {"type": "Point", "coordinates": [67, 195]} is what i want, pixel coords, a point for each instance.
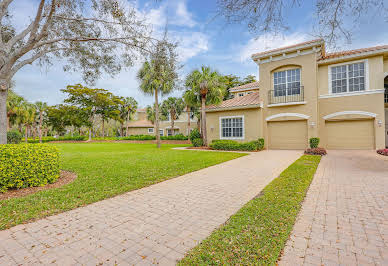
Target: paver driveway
{"type": "Point", "coordinates": [344, 218]}
{"type": "Point", "coordinates": [157, 224]}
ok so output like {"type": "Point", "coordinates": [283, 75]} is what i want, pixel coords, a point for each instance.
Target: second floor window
{"type": "Point", "coordinates": [286, 82]}
{"type": "Point", "coordinates": [348, 78]}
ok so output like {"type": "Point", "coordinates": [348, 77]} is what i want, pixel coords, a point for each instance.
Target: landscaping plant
{"type": "Point", "coordinates": [27, 165]}
{"type": "Point", "coordinates": [197, 142]}
{"type": "Point", "coordinates": [314, 142]}
{"type": "Point", "coordinates": [14, 137]}
{"type": "Point", "coordinates": [316, 151]}
{"type": "Point", "coordinates": [383, 152]}
{"type": "Point", "coordinates": [231, 145]}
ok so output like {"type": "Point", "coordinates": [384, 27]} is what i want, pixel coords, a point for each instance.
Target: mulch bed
{"type": "Point", "coordinates": [199, 148]}
{"type": "Point", "coordinates": [66, 177]}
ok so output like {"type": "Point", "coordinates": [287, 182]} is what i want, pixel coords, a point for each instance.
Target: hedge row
{"type": "Point", "coordinates": [231, 145]}
{"type": "Point", "coordinates": [145, 137]}
{"type": "Point", "coordinates": [48, 139]}
{"type": "Point", "coordinates": [26, 165]}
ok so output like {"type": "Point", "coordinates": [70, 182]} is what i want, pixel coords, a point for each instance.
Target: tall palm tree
{"type": "Point", "coordinates": [41, 108]}
{"type": "Point", "coordinates": [173, 107]}
{"type": "Point", "coordinates": [206, 87]}
{"type": "Point", "coordinates": [14, 103]}
{"type": "Point", "coordinates": [27, 116]}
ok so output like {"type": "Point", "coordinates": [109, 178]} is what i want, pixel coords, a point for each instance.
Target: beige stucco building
{"type": "Point", "coordinates": [141, 126]}
{"type": "Point", "coordinates": [304, 92]}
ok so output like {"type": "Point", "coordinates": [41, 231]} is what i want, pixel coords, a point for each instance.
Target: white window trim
{"type": "Point", "coordinates": [366, 63]}
{"type": "Point", "coordinates": [161, 131]}
{"type": "Point", "coordinates": [243, 127]}
{"type": "Point", "coordinates": [150, 130]}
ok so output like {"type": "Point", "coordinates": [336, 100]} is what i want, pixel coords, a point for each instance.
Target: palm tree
{"type": "Point", "coordinates": [27, 116]}
{"type": "Point", "coordinates": [14, 103]}
{"type": "Point", "coordinates": [206, 87]}
{"type": "Point", "coordinates": [41, 108]}
{"type": "Point", "coordinates": [127, 108]}
{"type": "Point", "coordinates": [173, 107]}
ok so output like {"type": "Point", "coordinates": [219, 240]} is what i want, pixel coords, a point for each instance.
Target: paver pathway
{"type": "Point", "coordinates": [157, 224]}
{"type": "Point", "coordinates": [344, 218]}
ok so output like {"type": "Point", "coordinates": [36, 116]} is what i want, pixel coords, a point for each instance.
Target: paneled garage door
{"type": "Point", "coordinates": [287, 134]}
{"type": "Point", "coordinates": [350, 135]}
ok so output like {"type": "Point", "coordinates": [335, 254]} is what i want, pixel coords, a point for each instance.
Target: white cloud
{"type": "Point", "coordinates": [268, 42]}
{"type": "Point", "coordinates": [190, 44]}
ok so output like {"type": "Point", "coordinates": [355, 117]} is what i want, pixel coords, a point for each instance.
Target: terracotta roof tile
{"type": "Point", "coordinates": [250, 99]}
{"type": "Point", "coordinates": [246, 86]}
{"type": "Point", "coordinates": [286, 47]}
{"type": "Point", "coordinates": [140, 123]}
{"type": "Point", "coordinates": [352, 52]}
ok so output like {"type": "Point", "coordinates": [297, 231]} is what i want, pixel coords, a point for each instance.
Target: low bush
{"type": "Point", "coordinates": [197, 142]}
{"type": "Point", "coordinates": [231, 145]}
{"type": "Point", "coordinates": [26, 165]}
{"type": "Point", "coordinates": [383, 152]}
{"type": "Point", "coordinates": [139, 137]}
{"type": "Point", "coordinates": [314, 142]}
{"type": "Point", "coordinates": [260, 144]}
{"type": "Point", "coordinates": [176, 137]}
{"type": "Point", "coordinates": [194, 134]}
{"type": "Point", "coordinates": [14, 137]}
{"type": "Point", "coordinates": [62, 138]}
{"type": "Point", "coordinates": [316, 151]}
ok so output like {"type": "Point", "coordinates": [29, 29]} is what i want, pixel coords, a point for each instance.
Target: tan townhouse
{"type": "Point", "coordinates": [304, 92]}
{"type": "Point", "coordinates": [141, 126]}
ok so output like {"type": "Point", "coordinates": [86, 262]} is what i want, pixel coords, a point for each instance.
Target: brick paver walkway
{"type": "Point", "coordinates": [157, 224]}
{"type": "Point", "coordinates": [344, 219]}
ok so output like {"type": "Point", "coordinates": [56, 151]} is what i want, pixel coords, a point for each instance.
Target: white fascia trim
{"type": "Point", "coordinates": [287, 114]}
{"type": "Point", "coordinates": [169, 127]}
{"type": "Point", "coordinates": [245, 89]}
{"type": "Point", "coordinates": [353, 56]}
{"type": "Point", "coordinates": [285, 104]}
{"type": "Point", "coordinates": [241, 107]}
{"type": "Point", "coordinates": [285, 56]}
{"type": "Point", "coordinates": [234, 116]}
{"type": "Point", "coordinates": [356, 93]}
{"type": "Point", "coordinates": [287, 50]}
{"type": "Point", "coordinates": [349, 113]}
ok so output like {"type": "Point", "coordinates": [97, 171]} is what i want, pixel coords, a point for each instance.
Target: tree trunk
{"type": "Point", "coordinates": [26, 134]}
{"type": "Point", "coordinates": [40, 126]}
{"type": "Point", "coordinates": [172, 114]}
{"type": "Point", "coordinates": [90, 134]}
{"type": "Point", "coordinates": [103, 128]}
{"type": "Point", "coordinates": [3, 114]}
{"type": "Point", "coordinates": [203, 120]}
{"type": "Point", "coordinates": [188, 121]}
{"type": "Point", "coordinates": [122, 130]}
{"type": "Point", "coordinates": [157, 119]}
{"type": "Point", "coordinates": [126, 130]}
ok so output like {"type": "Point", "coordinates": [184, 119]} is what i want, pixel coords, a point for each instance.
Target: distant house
{"type": "Point", "coordinates": [305, 92]}
{"type": "Point", "coordinates": [140, 124]}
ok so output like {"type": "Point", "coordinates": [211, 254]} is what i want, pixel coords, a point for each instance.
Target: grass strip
{"type": "Point", "coordinates": [258, 232]}
{"type": "Point", "coordinates": [105, 170]}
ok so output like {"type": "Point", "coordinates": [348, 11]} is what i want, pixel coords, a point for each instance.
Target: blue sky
{"type": "Point", "coordinates": [204, 39]}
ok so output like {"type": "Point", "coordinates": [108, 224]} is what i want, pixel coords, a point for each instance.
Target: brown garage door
{"type": "Point", "coordinates": [358, 134]}
{"type": "Point", "coordinates": [287, 135]}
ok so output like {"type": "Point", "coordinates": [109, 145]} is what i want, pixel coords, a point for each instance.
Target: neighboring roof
{"type": "Point", "coordinates": [140, 123]}
{"type": "Point", "coordinates": [354, 52]}
{"type": "Point", "coordinates": [252, 85]}
{"type": "Point", "coordinates": [142, 109]}
{"type": "Point", "coordinates": [312, 42]}
{"type": "Point", "coordinates": [250, 100]}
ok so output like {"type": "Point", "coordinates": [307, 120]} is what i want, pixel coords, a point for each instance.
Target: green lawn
{"type": "Point", "coordinates": [105, 170]}
{"type": "Point", "coordinates": [257, 233]}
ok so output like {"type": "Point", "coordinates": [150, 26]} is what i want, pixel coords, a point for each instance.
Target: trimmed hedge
{"type": "Point", "coordinates": [231, 145]}
{"type": "Point", "coordinates": [63, 138]}
{"type": "Point", "coordinates": [194, 134]}
{"type": "Point", "coordinates": [27, 165]}
{"type": "Point", "coordinates": [176, 137]}
{"type": "Point", "coordinates": [14, 137]}
{"type": "Point", "coordinates": [138, 137]}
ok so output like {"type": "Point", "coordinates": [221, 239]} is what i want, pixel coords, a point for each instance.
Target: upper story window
{"type": "Point", "coordinates": [348, 78]}
{"type": "Point", "coordinates": [286, 82]}
{"type": "Point", "coordinates": [240, 94]}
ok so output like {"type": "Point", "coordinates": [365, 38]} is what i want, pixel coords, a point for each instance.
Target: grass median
{"type": "Point", "coordinates": [105, 170]}
{"type": "Point", "coordinates": [257, 233]}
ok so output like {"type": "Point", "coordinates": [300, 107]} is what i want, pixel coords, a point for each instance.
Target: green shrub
{"type": "Point", "coordinates": [194, 134]}
{"type": "Point", "coordinates": [197, 142]}
{"type": "Point", "coordinates": [175, 137]}
{"type": "Point", "coordinates": [139, 137]}
{"type": "Point", "coordinates": [14, 137]}
{"type": "Point", "coordinates": [63, 138]}
{"type": "Point", "coordinates": [260, 144]}
{"type": "Point", "coordinates": [231, 145]}
{"type": "Point", "coordinates": [27, 165]}
{"type": "Point", "coordinates": [314, 142]}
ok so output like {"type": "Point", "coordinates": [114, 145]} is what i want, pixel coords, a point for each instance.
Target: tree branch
{"type": "Point", "coordinates": [3, 8]}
